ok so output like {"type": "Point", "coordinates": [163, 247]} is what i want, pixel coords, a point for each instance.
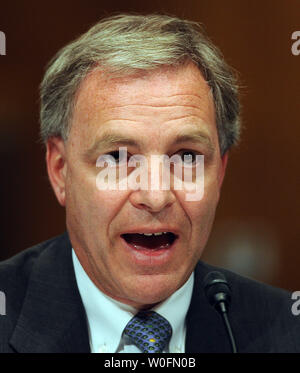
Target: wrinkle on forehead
{"type": "Point", "coordinates": [97, 88]}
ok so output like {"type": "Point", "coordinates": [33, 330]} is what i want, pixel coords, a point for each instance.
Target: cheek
{"type": "Point", "coordinates": [95, 209]}
{"type": "Point", "coordinates": [107, 205]}
{"type": "Point", "coordinates": [201, 213]}
{"type": "Point", "coordinates": [84, 194]}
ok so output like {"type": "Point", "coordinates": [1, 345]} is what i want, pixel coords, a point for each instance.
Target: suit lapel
{"type": "Point", "coordinates": [205, 329]}
{"type": "Point", "coordinates": [59, 322]}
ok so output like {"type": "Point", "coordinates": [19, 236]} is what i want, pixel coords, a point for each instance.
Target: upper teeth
{"type": "Point", "coordinates": [155, 234]}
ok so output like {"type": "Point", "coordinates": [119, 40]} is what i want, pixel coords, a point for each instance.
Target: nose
{"type": "Point", "coordinates": [154, 197]}
{"type": "Point", "coordinates": [152, 200]}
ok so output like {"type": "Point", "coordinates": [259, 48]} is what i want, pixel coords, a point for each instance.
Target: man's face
{"type": "Point", "coordinates": [152, 111]}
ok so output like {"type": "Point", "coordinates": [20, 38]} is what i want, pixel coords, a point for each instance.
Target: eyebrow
{"type": "Point", "coordinates": [195, 137]}
{"type": "Point", "coordinates": [109, 139]}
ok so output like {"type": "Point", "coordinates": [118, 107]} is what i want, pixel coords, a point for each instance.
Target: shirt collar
{"type": "Point", "coordinates": [174, 309]}
{"type": "Point", "coordinates": [107, 317]}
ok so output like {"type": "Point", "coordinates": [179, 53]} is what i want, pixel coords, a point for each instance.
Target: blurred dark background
{"type": "Point", "coordinates": [256, 231]}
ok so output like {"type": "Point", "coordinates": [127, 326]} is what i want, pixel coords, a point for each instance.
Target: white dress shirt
{"type": "Point", "coordinates": [107, 317]}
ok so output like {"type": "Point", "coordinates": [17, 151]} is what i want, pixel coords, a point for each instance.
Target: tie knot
{"type": "Point", "coordinates": [149, 331]}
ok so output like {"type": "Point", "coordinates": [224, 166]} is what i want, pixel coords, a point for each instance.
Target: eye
{"type": "Point", "coordinates": [188, 157]}
{"type": "Point", "coordinates": [118, 157]}
{"type": "Point", "coordinates": [112, 159]}
{"type": "Point", "coordinates": [115, 155]}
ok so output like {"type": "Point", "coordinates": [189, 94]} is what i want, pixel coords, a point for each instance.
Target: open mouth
{"type": "Point", "coordinates": [157, 241]}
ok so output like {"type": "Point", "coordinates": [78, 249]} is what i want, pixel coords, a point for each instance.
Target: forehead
{"type": "Point", "coordinates": [165, 82]}
{"type": "Point", "coordinates": [165, 95]}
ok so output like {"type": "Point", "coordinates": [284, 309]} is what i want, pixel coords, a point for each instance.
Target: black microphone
{"type": "Point", "coordinates": [218, 293]}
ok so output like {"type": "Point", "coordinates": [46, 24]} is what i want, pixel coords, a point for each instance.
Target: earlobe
{"type": "Point", "coordinates": [57, 167]}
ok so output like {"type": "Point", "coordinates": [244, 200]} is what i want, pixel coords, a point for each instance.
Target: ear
{"type": "Point", "coordinates": [57, 167]}
{"type": "Point", "coordinates": [223, 169]}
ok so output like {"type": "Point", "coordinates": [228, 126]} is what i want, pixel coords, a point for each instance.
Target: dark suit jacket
{"type": "Point", "coordinates": [44, 311]}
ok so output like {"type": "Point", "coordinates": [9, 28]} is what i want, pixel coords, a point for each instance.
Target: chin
{"type": "Point", "coordinates": [153, 289]}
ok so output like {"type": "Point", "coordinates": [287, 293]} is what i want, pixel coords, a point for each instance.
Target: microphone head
{"type": "Point", "coordinates": [217, 290]}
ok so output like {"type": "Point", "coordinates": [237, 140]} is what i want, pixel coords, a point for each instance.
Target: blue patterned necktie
{"type": "Point", "coordinates": [149, 331]}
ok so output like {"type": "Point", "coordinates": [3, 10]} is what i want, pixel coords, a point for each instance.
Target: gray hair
{"type": "Point", "coordinates": [125, 44]}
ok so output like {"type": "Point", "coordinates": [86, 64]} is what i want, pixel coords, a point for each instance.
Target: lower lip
{"type": "Point", "coordinates": [150, 256]}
